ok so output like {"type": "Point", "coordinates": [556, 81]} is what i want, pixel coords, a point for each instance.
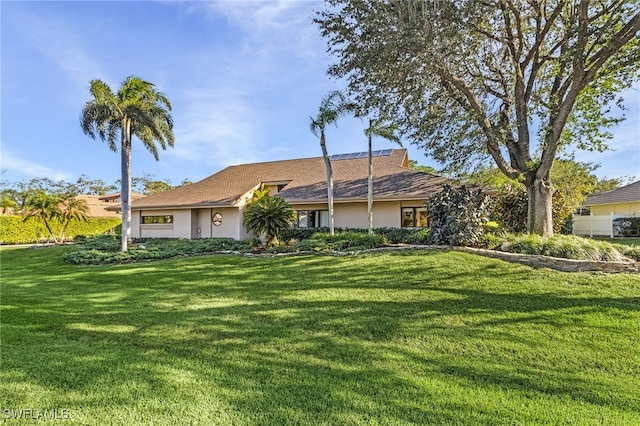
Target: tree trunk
{"type": "Point", "coordinates": [327, 164]}
{"type": "Point", "coordinates": [370, 188]}
{"type": "Point", "coordinates": [46, 224]}
{"type": "Point", "coordinates": [540, 211]}
{"type": "Point", "coordinates": [125, 191]}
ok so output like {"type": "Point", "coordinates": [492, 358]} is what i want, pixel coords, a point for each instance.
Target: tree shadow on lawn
{"type": "Point", "coordinates": [271, 345]}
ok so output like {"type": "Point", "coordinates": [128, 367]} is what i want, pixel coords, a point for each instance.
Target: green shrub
{"type": "Point", "coordinates": [14, 231]}
{"type": "Point", "coordinates": [300, 234]}
{"type": "Point", "coordinates": [563, 246]}
{"type": "Point", "coordinates": [491, 241]}
{"type": "Point", "coordinates": [268, 215]}
{"type": "Point", "coordinates": [457, 215]}
{"type": "Point", "coordinates": [627, 226]}
{"type": "Point", "coordinates": [392, 235]}
{"type": "Point", "coordinates": [632, 251]}
{"type": "Point", "coordinates": [405, 235]}
{"type": "Point", "coordinates": [106, 249]}
{"type": "Point", "coordinates": [341, 241]}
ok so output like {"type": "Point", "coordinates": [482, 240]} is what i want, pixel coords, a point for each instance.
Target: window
{"type": "Point", "coordinates": [157, 219]}
{"type": "Point", "coordinates": [583, 211]}
{"type": "Point", "coordinates": [312, 218]}
{"type": "Point", "coordinates": [414, 217]}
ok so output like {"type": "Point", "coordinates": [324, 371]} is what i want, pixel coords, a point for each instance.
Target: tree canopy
{"type": "Point", "coordinates": [514, 81]}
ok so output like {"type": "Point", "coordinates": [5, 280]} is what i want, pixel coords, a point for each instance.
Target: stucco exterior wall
{"type": "Point", "coordinates": [197, 223]}
{"type": "Point", "coordinates": [135, 224]}
{"type": "Point", "coordinates": [351, 215]}
{"type": "Point", "coordinates": [230, 225]}
{"type": "Point", "coordinates": [156, 230]}
{"type": "Point", "coordinates": [386, 215]}
{"type": "Point", "coordinates": [617, 209]}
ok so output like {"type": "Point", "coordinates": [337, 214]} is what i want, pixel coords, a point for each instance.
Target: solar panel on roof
{"type": "Point", "coordinates": [353, 155]}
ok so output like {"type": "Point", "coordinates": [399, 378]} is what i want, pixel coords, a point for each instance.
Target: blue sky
{"type": "Point", "coordinates": [243, 79]}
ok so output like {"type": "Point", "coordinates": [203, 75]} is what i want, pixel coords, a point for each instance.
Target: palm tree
{"type": "Point", "coordinates": [72, 209]}
{"type": "Point", "coordinates": [137, 109]}
{"type": "Point", "coordinates": [45, 207]}
{"type": "Point", "coordinates": [388, 132]}
{"type": "Point", "coordinates": [332, 106]}
{"type": "Point", "coordinates": [270, 216]}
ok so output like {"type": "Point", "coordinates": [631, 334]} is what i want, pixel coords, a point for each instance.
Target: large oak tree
{"type": "Point", "coordinates": [514, 80]}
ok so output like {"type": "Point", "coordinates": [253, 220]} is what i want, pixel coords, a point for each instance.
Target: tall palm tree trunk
{"type": "Point", "coordinates": [327, 165]}
{"type": "Point", "coordinates": [370, 189]}
{"type": "Point", "coordinates": [125, 192]}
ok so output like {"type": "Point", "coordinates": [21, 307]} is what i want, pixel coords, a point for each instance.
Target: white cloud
{"type": "Point", "coordinates": [27, 169]}
{"type": "Point", "coordinates": [217, 127]}
{"type": "Point", "coordinates": [272, 26]}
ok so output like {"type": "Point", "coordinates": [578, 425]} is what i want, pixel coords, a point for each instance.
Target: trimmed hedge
{"type": "Point", "coordinates": [14, 231]}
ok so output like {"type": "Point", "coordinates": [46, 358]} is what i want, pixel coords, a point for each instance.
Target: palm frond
{"type": "Point", "coordinates": [384, 130]}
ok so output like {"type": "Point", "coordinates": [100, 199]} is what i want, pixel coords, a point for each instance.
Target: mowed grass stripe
{"type": "Point", "coordinates": [388, 338]}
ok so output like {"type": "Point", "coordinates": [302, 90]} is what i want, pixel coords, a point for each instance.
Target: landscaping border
{"type": "Point", "coordinates": [540, 261]}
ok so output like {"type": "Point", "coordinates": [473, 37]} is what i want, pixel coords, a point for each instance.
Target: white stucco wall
{"type": "Point", "coordinates": [354, 215]}
{"type": "Point", "coordinates": [182, 226]}
{"type": "Point", "coordinates": [230, 226]}
{"type": "Point", "coordinates": [387, 214]}
{"type": "Point", "coordinates": [197, 223]}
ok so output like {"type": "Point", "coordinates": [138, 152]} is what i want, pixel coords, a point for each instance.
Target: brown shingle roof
{"type": "Point", "coordinates": [625, 194]}
{"type": "Point", "coordinates": [307, 182]}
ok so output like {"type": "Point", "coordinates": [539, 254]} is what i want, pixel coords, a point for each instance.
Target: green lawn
{"type": "Point", "coordinates": [624, 240]}
{"type": "Point", "coordinates": [386, 338]}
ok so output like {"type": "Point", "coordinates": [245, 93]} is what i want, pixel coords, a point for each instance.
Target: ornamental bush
{"type": "Point", "coordinates": [457, 216]}
{"type": "Point", "coordinates": [392, 235]}
{"type": "Point", "coordinates": [269, 216]}
{"type": "Point", "coordinates": [341, 241]}
{"type": "Point", "coordinates": [562, 246]}
{"type": "Point", "coordinates": [627, 226]}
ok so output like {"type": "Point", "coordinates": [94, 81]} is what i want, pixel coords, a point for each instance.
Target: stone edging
{"type": "Point", "coordinates": [566, 265]}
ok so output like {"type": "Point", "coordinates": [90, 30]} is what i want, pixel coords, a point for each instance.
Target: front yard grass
{"type": "Point", "coordinates": [384, 338]}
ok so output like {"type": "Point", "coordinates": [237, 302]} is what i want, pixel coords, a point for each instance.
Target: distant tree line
{"type": "Point", "coordinates": [14, 196]}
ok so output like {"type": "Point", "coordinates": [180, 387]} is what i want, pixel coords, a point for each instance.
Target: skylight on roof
{"type": "Point", "coordinates": [353, 155]}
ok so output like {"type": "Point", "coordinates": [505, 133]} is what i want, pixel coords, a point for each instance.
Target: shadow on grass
{"type": "Point", "coordinates": [400, 338]}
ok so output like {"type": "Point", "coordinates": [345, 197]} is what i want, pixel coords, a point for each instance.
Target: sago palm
{"type": "Point", "coordinates": [332, 106]}
{"type": "Point", "coordinates": [385, 131]}
{"type": "Point", "coordinates": [136, 109]}
{"type": "Point", "coordinates": [270, 216]}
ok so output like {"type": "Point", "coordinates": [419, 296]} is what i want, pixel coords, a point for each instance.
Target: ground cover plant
{"type": "Point", "coordinates": [411, 337]}
{"type": "Point", "coordinates": [96, 250]}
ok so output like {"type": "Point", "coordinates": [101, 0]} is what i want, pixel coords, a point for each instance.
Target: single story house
{"type": "Point", "coordinates": [213, 207]}
{"type": "Point", "coordinates": [597, 213]}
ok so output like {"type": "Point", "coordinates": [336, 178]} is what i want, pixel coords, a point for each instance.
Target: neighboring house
{"type": "Point", "coordinates": [98, 204]}
{"type": "Point", "coordinates": [597, 213]}
{"type": "Point", "coordinates": [213, 207]}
